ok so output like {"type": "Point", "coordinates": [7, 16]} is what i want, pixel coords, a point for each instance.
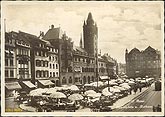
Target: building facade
{"type": "Point", "coordinates": [52, 59]}
{"type": "Point", "coordinates": [145, 63]}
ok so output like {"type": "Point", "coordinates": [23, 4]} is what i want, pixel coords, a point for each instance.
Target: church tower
{"type": "Point", "coordinates": [90, 34]}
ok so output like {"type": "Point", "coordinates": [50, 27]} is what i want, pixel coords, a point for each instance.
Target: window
{"type": "Point", "coordinates": [46, 64]}
{"type": "Point", "coordinates": [50, 65]}
{"type": "Point", "coordinates": [6, 62]}
{"type": "Point", "coordinates": [37, 74]}
{"type": "Point", "coordinates": [11, 73]}
{"type": "Point", "coordinates": [56, 66]}
{"type": "Point", "coordinates": [45, 54]}
{"type": "Point", "coordinates": [76, 79]}
{"type": "Point", "coordinates": [6, 73]}
{"type": "Point", "coordinates": [53, 66]}
{"type": "Point", "coordinates": [37, 53]}
{"type": "Point", "coordinates": [49, 58]}
{"type": "Point", "coordinates": [41, 53]}
{"type": "Point", "coordinates": [56, 74]}
{"type": "Point", "coordinates": [53, 74]}
{"type": "Point", "coordinates": [70, 79]}
{"type": "Point", "coordinates": [19, 51]}
{"type": "Point", "coordinates": [50, 74]}
{"type": "Point", "coordinates": [64, 80]}
{"type": "Point", "coordinates": [42, 73]}
{"type": "Point", "coordinates": [41, 63]}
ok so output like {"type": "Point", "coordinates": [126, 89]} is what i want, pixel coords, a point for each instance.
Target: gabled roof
{"type": "Point", "coordinates": [77, 48]}
{"type": "Point", "coordinates": [31, 38]}
{"type": "Point", "coordinates": [135, 50]}
{"type": "Point", "coordinates": [149, 48]}
{"type": "Point", "coordinates": [53, 33]}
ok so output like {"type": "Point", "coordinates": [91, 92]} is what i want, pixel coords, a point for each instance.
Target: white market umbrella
{"type": "Point", "coordinates": [58, 95]}
{"type": "Point", "coordinates": [51, 90]}
{"type": "Point", "coordinates": [111, 83]}
{"type": "Point", "coordinates": [61, 88]}
{"type": "Point", "coordinates": [125, 85]}
{"type": "Point", "coordinates": [94, 95]}
{"type": "Point", "coordinates": [106, 92]}
{"type": "Point", "coordinates": [95, 99]}
{"type": "Point", "coordinates": [99, 83]}
{"type": "Point", "coordinates": [75, 97]}
{"type": "Point", "coordinates": [89, 92]}
{"type": "Point", "coordinates": [87, 85]}
{"type": "Point", "coordinates": [37, 92]}
{"type": "Point", "coordinates": [114, 90]}
{"type": "Point", "coordinates": [131, 82]}
{"type": "Point", "coordinates": [73, 88]}
{"type": "Point", "coordinates": [120, 88]}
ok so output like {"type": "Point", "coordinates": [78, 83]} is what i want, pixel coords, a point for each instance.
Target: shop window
{"type": "Point", "coordinates": [53, 74]}
{"type": "Point", "coordinates": [56, 66]}
{"type": "Point", "coordinates": [70, 79]}
{"type": "Point", "coordinates": [6, 73]}
{"type": "Point", "coordinates": [56, 74]}
{"type": "Point", "coordinates": [76, 79]}
{"type": "Point", "coordinates": [6, 62]}
{"type": "Point", "coordinates": [64, 80]}
{"type": "Point", "coordinates": [84, 79]}
{"type": "Point", "coordinates": [11, 73]}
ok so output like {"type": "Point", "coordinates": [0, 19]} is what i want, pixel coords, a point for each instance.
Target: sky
{"type": "Point", "coordinates": [120, 25]}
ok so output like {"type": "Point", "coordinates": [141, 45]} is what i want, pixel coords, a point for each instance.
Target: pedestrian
{"type": "Point", "coordinates": [140, 88]}
{"type": "Point", "coordinates": [158, 108]}
{"type": "Point", "coordinates": [74, 106]}
{"type": "Point", "coordinates": [130, 91]}
{"type": "Point", "coordinates": [135, 89]}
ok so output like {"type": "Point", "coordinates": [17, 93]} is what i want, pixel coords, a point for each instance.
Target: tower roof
{"type": "Point", "coordinates": [90, 16]}
{"type": "Point", "coordinates": [90, 19]}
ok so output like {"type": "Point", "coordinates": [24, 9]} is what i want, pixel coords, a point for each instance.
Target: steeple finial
{"type": "Point", "coordinates": [90, 19]}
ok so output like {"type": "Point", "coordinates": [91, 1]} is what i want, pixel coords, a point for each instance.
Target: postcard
{"type": "Point", "coordinates": [82, 58]}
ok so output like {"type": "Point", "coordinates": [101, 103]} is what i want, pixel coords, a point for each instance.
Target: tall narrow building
{"type": "Point", "coordinates": [90, 34]}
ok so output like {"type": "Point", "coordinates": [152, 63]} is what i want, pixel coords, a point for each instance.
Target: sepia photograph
{"type": "Point", "coordinates": [82, 58]}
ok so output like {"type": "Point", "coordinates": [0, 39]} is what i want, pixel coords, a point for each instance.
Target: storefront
{"type": "Point", "coordinates": [45, 84]}
{"type": "Point", "coordinates": [27, 86]}
{"type": "Point", "coordinates": [12, 88]}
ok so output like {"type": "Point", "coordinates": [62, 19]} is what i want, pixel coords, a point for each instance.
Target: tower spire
{"type": "Point", "coordinates": [90, 19]}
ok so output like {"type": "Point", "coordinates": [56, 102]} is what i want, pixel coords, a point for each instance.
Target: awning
{"type": "Point", "coordinates": [12, 85]}
{"type": "Point", "coordinates": [104, 77]}
{"type": "Point", "coordinates": [46, 82]}
{"type": "Point", "coordinates": [29, 84]}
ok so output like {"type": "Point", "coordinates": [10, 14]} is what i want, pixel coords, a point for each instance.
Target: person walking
{"type": "Point", "coordinates": [140, 87]}
{"type": "Point", "coordinates": [135, 89]}
{"type": "Point", "coordinates": [130, 91]}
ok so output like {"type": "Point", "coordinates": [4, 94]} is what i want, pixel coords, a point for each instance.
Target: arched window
{"type": "Point", "coordinates": [88, 79]}
{"type": "Point", "coordinates": [93, 79]}
{"type": "Point", "coordinates": [84, 79]}
{"type": "Point", "coordinates": [37, 74]}
{"type": "Point", "coordinates": [70, 79]}
{"type": "Point", "coordinates": [63, 80]}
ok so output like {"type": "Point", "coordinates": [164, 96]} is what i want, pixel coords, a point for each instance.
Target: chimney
{"type": "Point", "coordinates": [52, 26]}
